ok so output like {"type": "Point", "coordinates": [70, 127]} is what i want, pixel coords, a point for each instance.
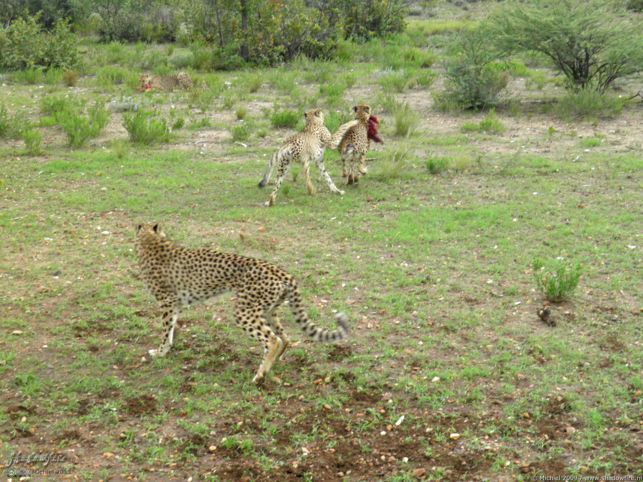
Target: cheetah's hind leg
{"type": "Point", "coordinates": [251, 320]}
{"type": "Point", "coordinates": [274, 323]}
{"type": "Point", "coordinates": [170, 310]}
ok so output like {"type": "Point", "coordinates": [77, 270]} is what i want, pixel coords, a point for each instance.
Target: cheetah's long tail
{"type": "Point", "coordinates": [311, 329]}
{"type": "Point", "coordinates": [337, 137]}
{"type": "Point", "coordinates": [269, 168]}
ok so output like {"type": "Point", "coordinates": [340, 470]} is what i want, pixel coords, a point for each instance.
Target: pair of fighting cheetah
{"type": "Point", "coordinates": [351, 139]}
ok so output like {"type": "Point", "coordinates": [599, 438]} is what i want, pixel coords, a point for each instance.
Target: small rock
{"type": "Point", "coordinates": [454, 436]}
{"type": "Point", "coordinates": [212, 448]}
{"type": "Point", "coordinates": [419, 472]}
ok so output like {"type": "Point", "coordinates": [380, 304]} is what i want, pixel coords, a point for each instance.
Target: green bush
{"type": "Point", "coordinates": [24, 45]}
{"type": "Point", "coordinates": [591, 42]}
{"type": "Point", "coordinates": [474, 79]}
{"type": "Point", "coordinates": [557, 281]}
{"type": "Point", "coordinates": [285, 118]}
{"type": "Point", "coordinates": [143, 128]}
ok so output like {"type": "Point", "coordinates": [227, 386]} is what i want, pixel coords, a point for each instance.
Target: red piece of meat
{"type": "Point", "coordinates": [372, 129]}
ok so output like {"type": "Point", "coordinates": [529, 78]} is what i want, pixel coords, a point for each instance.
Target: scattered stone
{"type": "Point", "coordinates": [419, 472]}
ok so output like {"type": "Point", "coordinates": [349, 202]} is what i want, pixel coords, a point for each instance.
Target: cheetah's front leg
{"type": "Point", "coordinates": [170, 310]}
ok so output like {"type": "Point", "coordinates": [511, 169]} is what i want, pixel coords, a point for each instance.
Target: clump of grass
{"type": "Point", "coordinates": [13, 126]}
{"type": "Point", "coordinates": [31, 76]}
{"type": "Point", "coordinates": [490, 124]}
{"type": "Point", "coordinates": [241, 112]}
{"type": "Point", "coordinates": [203, 98]}
{"type": "Point", "coordinates": [394, 164]}
{"type": "Point", "coordinates": [32, 138]}
{"type": "Point", "coordinates": [144, 129]}
{"type": "Point", "coordinates": [5, 123]}
{"type": "Point", "coordinates": [70, 77]}
{"type": "Point", "coordinates": [587, 103]}
{"type": "Point", "coordinates": [395, 81]}
{"type": "Point", "coordinates": [285, 118]}
{"type": "Point", "coordinates": [406, 120]}
{"type": "Point", "coordinates": [240, 132]}
{"type": "Point", "coordinates": [178, 124]}
{"type": "Point", "coordinates": [557, 280]}
{"type": "Point", "coordinates": [255, 83]}
{"type": "Point", "coordinates": [436, 165]}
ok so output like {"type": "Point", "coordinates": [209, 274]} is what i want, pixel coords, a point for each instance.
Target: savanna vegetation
{"type": "Point", "coordinates": [489, 261]}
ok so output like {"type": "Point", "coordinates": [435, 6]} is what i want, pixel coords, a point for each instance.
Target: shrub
{"type": "Point", "coordinates": [589, 41]}
{"type": "Point", "coordinates": [474, 79]}
{"type": "Point", "coordinates": [143, 128]}
{"type": "Point", "coordinates": [557, 281]}
{"type": "Point", "coordinates": [78, 128]}
{"type": "Point", "coordinates": [285, 118]}
{"type": "Point", "coordinates": [24, 45]}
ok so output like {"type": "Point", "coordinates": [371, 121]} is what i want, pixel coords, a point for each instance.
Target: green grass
{"type": "Point", "coordinates": [430, 255]}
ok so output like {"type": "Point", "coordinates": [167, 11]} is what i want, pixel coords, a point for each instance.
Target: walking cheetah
{"type": "Point", "coordinates": [307, 145]}
{"type": "Point", "coordinates": [169, 82]}
{"type": "Point", "coordinates": [179, 277]}
{"type": "Point", "coordinates": [356, 141]}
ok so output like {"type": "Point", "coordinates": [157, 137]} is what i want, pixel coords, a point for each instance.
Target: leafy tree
{"type": "Point", "coordinates": [591, 42]}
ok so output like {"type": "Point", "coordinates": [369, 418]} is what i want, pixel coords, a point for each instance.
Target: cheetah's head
{"type": "Point", "coordinates": [314, 116]}
{"type": "Point", "coordinates": [149, 229]}
{"type": "Point", "coordinates": [362, 112]}
{"type": "Point", "coordinates": [144, 79]}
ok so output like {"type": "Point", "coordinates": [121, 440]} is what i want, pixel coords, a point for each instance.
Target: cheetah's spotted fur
{"type": "Point", "coordinates": [355, 144]}
{"type": "Point", "coordinates": [179, 277]}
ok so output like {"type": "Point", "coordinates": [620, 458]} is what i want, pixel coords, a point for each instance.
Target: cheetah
{"type": "Point", "coordinates": [356, 141]}
{"type": "Point", "coordinates": [307, 145]}
{"type": "Point", "coordinates": [179, 277]}
{"type": "Point", "coordinates": [169, 82]}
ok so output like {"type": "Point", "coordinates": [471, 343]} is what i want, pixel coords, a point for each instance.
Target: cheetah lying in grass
{"type": "Point", "coordinates": [169, 82]}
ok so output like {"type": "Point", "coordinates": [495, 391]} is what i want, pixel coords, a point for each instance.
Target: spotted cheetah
{"type": "Point", "coordinates": [179, 277]}
{"type": "Point", "coordinates": [307, 145]}
{"type": "Point", "coordinates": [355, 144]}
{"type": "Point", "coordinates": [169, 82]}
